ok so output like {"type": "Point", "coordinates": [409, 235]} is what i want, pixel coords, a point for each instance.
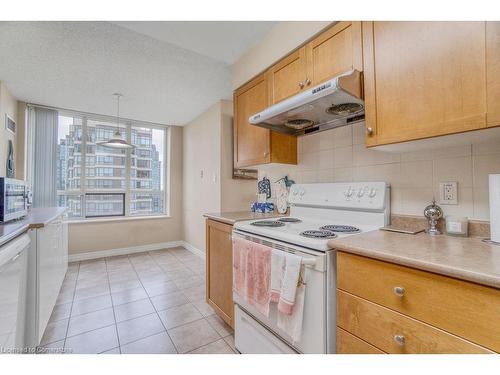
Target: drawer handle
{"type": "Point", "coordinates": [399, 291]}
{"type": "Point", "coordinates": [15, 257]}
{"type": "Point", "coordinates": [400, 340]}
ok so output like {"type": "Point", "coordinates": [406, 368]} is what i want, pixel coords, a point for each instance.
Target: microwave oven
{"type": "Point", "coordinates": [13, 199]}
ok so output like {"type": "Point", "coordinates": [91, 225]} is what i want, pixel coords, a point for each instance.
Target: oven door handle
{"type": "Point", "coordinates": [315, 262]}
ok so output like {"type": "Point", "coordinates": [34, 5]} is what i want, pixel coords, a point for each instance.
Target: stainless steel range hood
{"type": "Point", "coordinates": [334, 103]}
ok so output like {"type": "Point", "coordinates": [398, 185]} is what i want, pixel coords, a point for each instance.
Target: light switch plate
{"type": "Point", "coordinates": [448, 192]}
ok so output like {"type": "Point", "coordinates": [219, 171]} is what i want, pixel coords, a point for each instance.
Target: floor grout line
{"type": "Point", "coordinates": [71, 310]}
{"type": "Point", "coordinates": [154, 307]}
{"type": "Point", "coordinates": [187, 263]}
{"type": "Point", "coordinates": [112, 306]}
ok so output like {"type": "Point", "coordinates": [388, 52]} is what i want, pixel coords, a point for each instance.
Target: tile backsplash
{"type": "Point", "coordinates": [339, 155]}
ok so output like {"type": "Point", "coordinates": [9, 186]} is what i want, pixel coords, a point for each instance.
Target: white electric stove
{"type": "Point", "coordinates": [318, 213]}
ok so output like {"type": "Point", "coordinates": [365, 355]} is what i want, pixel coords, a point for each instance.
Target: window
{"type": "Point", "coordinates": [97, 181]}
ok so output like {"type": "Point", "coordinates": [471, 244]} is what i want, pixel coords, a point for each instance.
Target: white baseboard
{"type": "Point", "coordinates": [125, 250]}
{"type": "Point", "coordinates": [193, 249]}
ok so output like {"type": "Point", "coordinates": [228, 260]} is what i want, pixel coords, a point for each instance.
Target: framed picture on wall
{"type": "Point", "coordinates": [10, 124]}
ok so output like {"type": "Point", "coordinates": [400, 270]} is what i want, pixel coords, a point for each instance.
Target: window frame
{"type": "Point", "coordinates": [82, 192]}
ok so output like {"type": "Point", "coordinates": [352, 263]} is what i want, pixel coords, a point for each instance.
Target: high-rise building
{"type": "Point", "coordinates": [105, 172]}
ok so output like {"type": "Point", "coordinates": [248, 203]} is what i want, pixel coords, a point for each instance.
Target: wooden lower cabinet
{"type": "Point", "coordinates": [396, 333]}
{"type": "Point", "coordinates": [350, 344]}
{"type": "Point", "coordinates": [398, 309]}
{"type": "Point", "coordinates": [219, 263]}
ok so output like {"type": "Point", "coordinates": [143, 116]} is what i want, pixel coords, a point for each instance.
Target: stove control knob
{"type": "Point", "coordinates": [361, 192]}
{"type": "Point", "coordinates": [349, 192]}
{"type": "Point", "coordinates": [373, 192]}
{"type": "Point", "coordinates": [302, 192]}
{"type": "Point", "coordinates": [294, 192]}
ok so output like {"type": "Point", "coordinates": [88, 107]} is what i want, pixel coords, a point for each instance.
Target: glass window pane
{"type": "Point", "coordinates": [146, 171]}
{"type": "Point", "coordinates": [73, 204]}
{"type": "Point", "coordinates": [68, 164]}
{"type": "Point", "coordinates": [106, 169]}
{"type": "Point", "coordinates": [105, 204]}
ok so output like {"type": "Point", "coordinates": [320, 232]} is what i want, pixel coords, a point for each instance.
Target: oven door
{"type": "Point", "coordinates": [253, 328]}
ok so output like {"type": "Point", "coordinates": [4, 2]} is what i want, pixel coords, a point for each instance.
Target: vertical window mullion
{"type": "Point", "coordinates": [83, 182]}
{"type": "Point", "coordinates": [128, 162]}
{"type": "Point", "coordinates": [166, 172]}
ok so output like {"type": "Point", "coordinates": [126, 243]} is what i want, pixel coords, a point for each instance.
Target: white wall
{"type": "Point", "coordinates": [207, 160]}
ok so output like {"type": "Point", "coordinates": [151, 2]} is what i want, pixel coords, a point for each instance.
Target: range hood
{"type": "Point", "coordinates": [334, 103]}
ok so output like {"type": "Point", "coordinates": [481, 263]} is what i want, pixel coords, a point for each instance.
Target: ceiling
{"type": "Point", "coordinates": [223, 41]}
{"type": "Point", "coordinates": [79, 65]}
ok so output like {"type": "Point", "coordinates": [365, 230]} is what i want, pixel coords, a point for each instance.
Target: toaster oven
{"type": "Point", "coordinates": [13, 202]}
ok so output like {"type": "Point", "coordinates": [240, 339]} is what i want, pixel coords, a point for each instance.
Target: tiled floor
{"type": "Point", "coordinates": [151, 302]}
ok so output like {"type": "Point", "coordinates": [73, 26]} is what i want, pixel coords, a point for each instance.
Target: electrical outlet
{"type": "Point", "coordinates": [448, 192]}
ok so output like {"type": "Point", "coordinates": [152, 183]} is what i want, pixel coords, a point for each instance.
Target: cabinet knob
{"type": "Point", "coordinates": [266, 153]}
{"type": "Point", "coordinates": [400, 340]}
{"type": "Point", "coordinates": [399, 291]}
{"type": "Point", "coordinates": [369, 130]}
{"type": "Point", "coordinates": [301, 85]}
{"type": "Point", "coordinates": [307, 81]}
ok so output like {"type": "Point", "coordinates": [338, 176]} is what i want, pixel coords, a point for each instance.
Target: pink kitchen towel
{"type": "Point", "coordinates": [252, 273]}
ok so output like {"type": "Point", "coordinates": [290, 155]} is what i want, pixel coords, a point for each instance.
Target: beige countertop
{"type": "Point", "coordinates": [233, 217]}
{"type": "Point", "coordinates": [36, 218]}
{"type": "Point", "coordinates": [468, 259]}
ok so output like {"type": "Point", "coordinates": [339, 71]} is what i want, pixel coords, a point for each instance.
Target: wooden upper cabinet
{"type": "Point", "coordinates": [251, 144]}
{"type": "Point", "coordinates": [493, 73]}
{"type": "Point", "coordinates": [334, 52]}
{"type": "Point", "coordinates": [288, 77]}
{"type": "Point", "coordinates": [423, 79]}
{"type": "Point", "coordinates": [254, 145]}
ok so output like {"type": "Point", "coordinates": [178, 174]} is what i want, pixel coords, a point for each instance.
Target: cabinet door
{"type": "Point", "coordinates": [334, 52]}
{"type": "Point", "coordinates": [52, 258]}
{"type": "Point", "coordinates": [350, 344]}
{"type": "Point", "coordinates": [251, 143]}
{"type": "Point", "coordinates": [426, 79]}
{"type": "Point", "coordinates": [219, 259]}
{"type": "Point", "coordinates": [289, 76]}
{"type": "Point", "coordinates": [493, 72]}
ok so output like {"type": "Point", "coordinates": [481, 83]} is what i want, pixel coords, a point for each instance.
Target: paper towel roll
{"type": "Point", "coordinates": [495, 207]}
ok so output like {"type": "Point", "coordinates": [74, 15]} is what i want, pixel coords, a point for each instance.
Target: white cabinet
{"type": "Point", "coordinates": [47, 269]}
{"type": "Point", "coordinates": [13, 265]}
{"type": "Point", "coordinates": [52, 257]}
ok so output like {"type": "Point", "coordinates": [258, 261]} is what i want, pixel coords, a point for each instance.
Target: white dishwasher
{"type": "Point", "coordinates": [13, 268]}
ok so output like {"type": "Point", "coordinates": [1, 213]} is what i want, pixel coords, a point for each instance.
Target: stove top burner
{"type": "Point", "coordinates": [289, 220]}
{"type": "Point", "coordinates": [341, 228]}
{"type": "Point", "coordinates": [318, 234]}
{"type": "Point", "coordinates": [268, 223]}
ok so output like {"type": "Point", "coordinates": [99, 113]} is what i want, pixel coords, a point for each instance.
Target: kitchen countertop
{"type": "Point", "coordinates": [468, 259]}
{"type": "Point", "coordinates": [36, 218]}
{"type": "Point", "coordinates": [233, 217]}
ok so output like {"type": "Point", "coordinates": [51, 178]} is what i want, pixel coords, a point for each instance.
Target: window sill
{"type": "Point", "coordinates": [114, 219]}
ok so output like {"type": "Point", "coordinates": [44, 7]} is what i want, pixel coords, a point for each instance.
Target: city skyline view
{"type": "Point", "coordinates": [97, 181]}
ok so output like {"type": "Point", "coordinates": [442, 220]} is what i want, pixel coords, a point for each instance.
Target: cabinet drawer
{"type": "Point", "coordinates": [393, 332]}
{"type": "Point", "coordinates": [350, 344]}
{"type": "Point", "coordinates": [466, 309]}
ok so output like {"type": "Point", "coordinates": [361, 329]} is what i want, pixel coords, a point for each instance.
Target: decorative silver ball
{"type": "Point", "coordinates": [433, 211]}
